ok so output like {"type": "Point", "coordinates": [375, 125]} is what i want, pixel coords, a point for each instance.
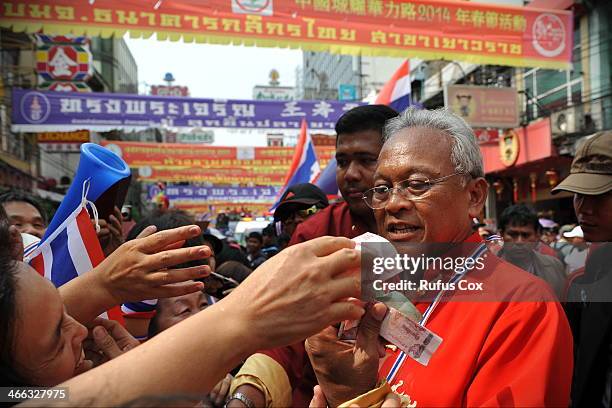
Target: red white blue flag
{"type": "Point", "coordinates": [305, 166]}
{"type": "Point", "coordinates": [396, 92]}
{"type": "Point", "coordinates": [72, 249]}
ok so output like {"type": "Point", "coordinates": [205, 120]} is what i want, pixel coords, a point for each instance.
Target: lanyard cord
{"type": "Point", "coordinates": [399, 361]}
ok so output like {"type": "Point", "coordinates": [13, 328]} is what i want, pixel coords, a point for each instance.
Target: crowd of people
{"type": "Point", "coordinates": [209, 321]}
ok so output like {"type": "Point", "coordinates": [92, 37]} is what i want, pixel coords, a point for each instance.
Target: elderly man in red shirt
{"type": "Point", "coordinates": [283, 376]}
{"type": "Point", "coordinates": [506, 345]}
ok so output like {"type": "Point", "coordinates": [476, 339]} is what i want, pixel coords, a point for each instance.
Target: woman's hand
{"type": "Point", "coordinates": [138, 270]}
{"type": "Point", "coordinates": [299, 291]}
{"type": "Point", "coordinates": [107, 339]}
{"type": "Point", "coordinates": [110, 234]}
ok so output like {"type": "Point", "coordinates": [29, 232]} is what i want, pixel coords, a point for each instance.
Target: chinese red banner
{"type": "Point", "coordinates": [428, 29]}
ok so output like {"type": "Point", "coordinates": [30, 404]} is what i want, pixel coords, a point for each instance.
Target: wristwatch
{"type": "Point", "coordinates": [242, 398]}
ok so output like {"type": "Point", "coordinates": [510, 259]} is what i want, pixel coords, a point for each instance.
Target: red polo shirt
{"type": "Point", "coordinates": [516, 352]}
{"type": "Point", "coordinates": [509, 345]}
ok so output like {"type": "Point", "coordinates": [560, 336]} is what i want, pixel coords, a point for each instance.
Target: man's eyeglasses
{"type": "Point", "coordinates": [377, 198]}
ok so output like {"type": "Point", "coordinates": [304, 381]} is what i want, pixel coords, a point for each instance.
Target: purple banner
{"type": "Point", "coordinates": [61, 111]}
{"type": "Point", "coordinates": [196, 193]}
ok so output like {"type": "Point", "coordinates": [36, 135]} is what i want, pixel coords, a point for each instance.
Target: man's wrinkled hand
{"type": "Point", "coordinates": [345, 370]}
{"type": "Point", "coordinates": [218, 395]}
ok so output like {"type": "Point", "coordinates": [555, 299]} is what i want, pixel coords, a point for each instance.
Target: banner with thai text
{"type": "Point", "coordinates": [64, 111]}
{"type": "Point", "coordinates": [173, 155]}
{"type": "Point", "coordinates": [428, 29]}
{"type": "Point", "coordinates": [196, 163]}
{"type": "Point", "coordinates": [217, 193]}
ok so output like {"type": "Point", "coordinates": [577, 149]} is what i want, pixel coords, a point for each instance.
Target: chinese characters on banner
{"type": "Point", "coordinates": [428, 29]}
{"type": "Point", "coordinates": [61, 111]}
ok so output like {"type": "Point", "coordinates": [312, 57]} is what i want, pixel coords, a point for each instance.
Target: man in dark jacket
{"type": "Point", "coordinates": [589, 301]}
{"type": "Point", "coordinates": [520, 228]}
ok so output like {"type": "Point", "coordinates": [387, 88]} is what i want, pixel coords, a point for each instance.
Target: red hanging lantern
{"type": "Point", "coordinates": [515, 190]}
{"type": "Point", "coordinates": [533, 183]}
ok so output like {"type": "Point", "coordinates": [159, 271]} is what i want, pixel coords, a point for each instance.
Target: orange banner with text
{"type": "Point", "coordinates": [428, 29]}
{"type": "Point", "coordinates": [175, 162]}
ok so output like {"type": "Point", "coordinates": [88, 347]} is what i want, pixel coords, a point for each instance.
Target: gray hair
{"type": "Point", "coordinates": [465, 153]}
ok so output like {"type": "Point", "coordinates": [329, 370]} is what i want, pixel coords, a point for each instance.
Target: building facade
{"type": "Point", "coordinates": [558, 109]}
{"type": "Point", "coordinates": [333, 76]}
{"type": "Point", "coordinates": [24, 162]}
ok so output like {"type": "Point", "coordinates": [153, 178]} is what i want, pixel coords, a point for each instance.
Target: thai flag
{"type": "Point", "coordinates": [69, 251]}
{"type": "Point", "coordinates": [396, 92]}
{"type": "Point", "coordinates": [327, 179]}
{"type": "Point", "coordinates": [304, 167]}
{"type": "Point", "coordinates": [140, 310]}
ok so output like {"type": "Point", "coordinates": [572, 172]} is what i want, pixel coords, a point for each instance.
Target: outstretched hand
{"type": "Point", "coordinates": [139, 269]}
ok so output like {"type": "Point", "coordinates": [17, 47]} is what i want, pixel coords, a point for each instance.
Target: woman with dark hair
{"type": "Point", "coordinates": [41, 344]}
{"type": "Point", "coordinates": [8, 376]}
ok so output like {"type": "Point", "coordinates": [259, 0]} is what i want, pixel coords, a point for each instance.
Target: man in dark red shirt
{"type": "Point", "coordinates": [358, 143]}
{"type": "Point", "coordinates": [284, 376]}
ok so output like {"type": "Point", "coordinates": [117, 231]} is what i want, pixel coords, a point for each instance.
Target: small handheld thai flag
{"type": "Point", "coordinates": [396, 92]}
{"type": "Point", "coordinates": [70, 250]}
{"type": "Point", "coordinates": [304, 166]}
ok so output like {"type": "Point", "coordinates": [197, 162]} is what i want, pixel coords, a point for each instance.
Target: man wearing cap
{"type": "Point", "coordinates": [284, 376]}
{"type": "Point", "coordinates": [299, 202]}
{"type": "Point", "coordinates": [589, 301]}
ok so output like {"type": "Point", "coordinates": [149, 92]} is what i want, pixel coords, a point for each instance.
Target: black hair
{"type": "Point", "coordinates": [22, 196]}
{"type": "Point", "coordinates": [256, 235]}
{"type": "Point", "coordinates": [235, 270]}
{"type": "Point", "coordinates": [167, 220]}
{"type": "Point", "coordinates": [519, 215]}
{"type": "Point", "coordinates": [8, 310]}
{"type": "Point", "coordinates": [366, 117]}
{"type": "Point", "coordinates": [269, 230]}
{"type": "Point", "coordinates": [230, 253]}
{"type": "Point", "coordinates": [283, 239]}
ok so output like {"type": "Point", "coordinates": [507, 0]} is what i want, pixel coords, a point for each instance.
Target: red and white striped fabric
{"type": "Point", "coordinates": [71, 250]}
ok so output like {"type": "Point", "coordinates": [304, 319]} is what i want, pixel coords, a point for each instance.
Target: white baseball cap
{"type": "Point", "coordinates": [575, 233]}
